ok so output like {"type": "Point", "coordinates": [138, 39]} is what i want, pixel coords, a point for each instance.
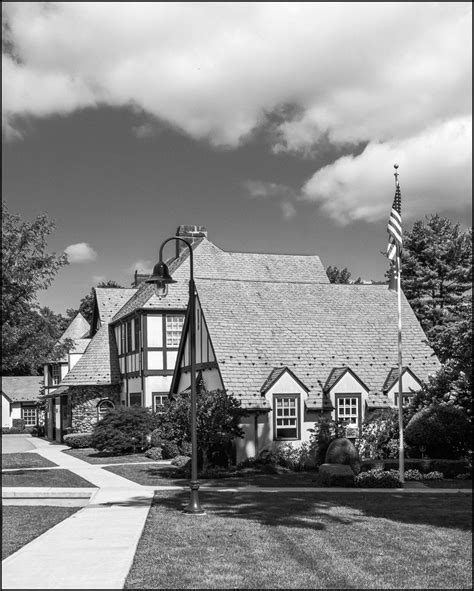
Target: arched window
{"type": "Point", "coordinates": [103, 408]}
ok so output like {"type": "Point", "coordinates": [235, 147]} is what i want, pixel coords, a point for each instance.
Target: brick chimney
{"type": "Point", "coordinates": [191, 233]}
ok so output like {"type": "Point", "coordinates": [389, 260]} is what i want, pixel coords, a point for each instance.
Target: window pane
{"type": "Point", "coordinates": [135, 399]}
{"type": "Point", "coordinates": [174, 327]}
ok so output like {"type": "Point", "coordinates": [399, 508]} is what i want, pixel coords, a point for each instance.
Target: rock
{"type": "Point", "coordinates": [336, 475]}
{"type": "Point", "coordinates": [342, 451]}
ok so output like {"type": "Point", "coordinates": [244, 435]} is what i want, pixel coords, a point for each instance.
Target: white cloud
{"type": "Point", "coordinates": [434, 176]}
{"type": "Point", "coordinates": [391, 74]}
{"type": "Point", "coordinates": [80, 253]}
{"type": "Point", "coordinates": [142, 266]}
{"type": "Point", "coordinates": [355, 71]}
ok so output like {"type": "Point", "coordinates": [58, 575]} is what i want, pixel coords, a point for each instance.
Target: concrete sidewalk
{"type": "Point", "coordinates": [92, 549]}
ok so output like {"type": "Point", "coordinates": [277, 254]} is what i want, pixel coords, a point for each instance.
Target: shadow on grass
{"type": "Point", "coordinates": [304, 509]}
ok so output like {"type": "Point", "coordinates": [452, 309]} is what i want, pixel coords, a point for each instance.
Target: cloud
{"type": "Point", "coordinates": [434, 176]}
{"type": "Point", "coordinates": [142, 266]}
{"type": "Point", "coordinates": [353, 72]}
{"type": "Point", "coordinates": [80, 253]}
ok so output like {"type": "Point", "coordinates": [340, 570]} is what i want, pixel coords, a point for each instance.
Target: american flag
{"type": "Point", "coordinates": [394, 227]}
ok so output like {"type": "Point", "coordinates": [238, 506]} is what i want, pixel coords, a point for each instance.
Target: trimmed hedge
{"type": "Point", "coordinates": [18, 424]}
{"type": "Point", "coordinates": [450, 468]}
{"type": "Point", "coordinates": [16, 431]}
{"type": "Point", "coordinates": [78, 440]}
{"type": "Point", "coordinates": [154, 453]}
{"type": "Point", "coordinates": [377, 479]}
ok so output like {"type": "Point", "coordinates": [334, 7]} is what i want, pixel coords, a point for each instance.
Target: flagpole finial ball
{"type": "Point", "coordinates": [395, 166]}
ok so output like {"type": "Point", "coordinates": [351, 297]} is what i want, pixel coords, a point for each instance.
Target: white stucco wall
{"type": "Point", "coordinates": [348, 384]}
{"type": "Point", "coordinates": [408, 384]}
{"type": "Point", "coordinates": [73, 359]}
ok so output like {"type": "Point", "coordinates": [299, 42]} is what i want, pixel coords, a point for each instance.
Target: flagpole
{"type": "Point", "coordinates": [401, 450]}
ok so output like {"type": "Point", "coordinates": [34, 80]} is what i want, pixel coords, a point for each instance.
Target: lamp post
{"type": "Point", "coordinates": [160, 278]}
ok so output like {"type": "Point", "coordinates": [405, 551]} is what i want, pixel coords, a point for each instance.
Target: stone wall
{"type": "Point", "coordinates": [84, 400]}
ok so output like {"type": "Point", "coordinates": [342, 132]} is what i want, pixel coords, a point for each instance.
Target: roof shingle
{"type": "Point", "coordinates": [311, 329]}
{"type": "Point", "coordinates": [22, 388]}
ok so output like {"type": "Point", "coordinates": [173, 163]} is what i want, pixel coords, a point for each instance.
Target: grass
{"type": "Point", "coordinates": [448, 483]}
{"type": "Point", "coordinates": [306, 541]}
{"type": "Point", "coordinates": [45, 478]}
{"type": "Point", "coordinates": [25, 460]}
{"type": "Point", "coordinates": [92, 456]}
{"type": "Point", "coordinates": [21, 525]}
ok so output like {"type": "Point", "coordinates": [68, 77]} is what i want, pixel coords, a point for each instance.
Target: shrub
{"type": "Point", "coordinates": [156, 439]}
{"type": "Point", "coordinates": [78, 440]}
{"type": "Point", "coordinates": [296, 458]}
{"type": "Point", "coordinates": [18, 424]}
{"type": "Point", "coordinates": [16, 431]}
{"type": "Point", "coordinates": [123, 430]}
{"type": "Point", "coordinates": [218, 423]}
{"type": "Point", "coordinates": [379, 438]}
{"type": "Point", "coordinates": [169, 449]}
{"type": "Point", "coordinates": [448, 467]}
{"type": "Point", "coordinates": [342, 451]}
{"type": "Point", "coordinates": [433, 476]}
{"type": "Point", "coordinates": [38, 431]}
{"type": "Point", "coordinates": [154, 453]}
{"type": "Point", "coordinates": [413, 475]}
{"type": "Point", "coordinates": [323, 433]}
{"type": "Point", "coordinates": [464, 476]}
{"type": "Point", "coordinates": [181, 462]}
{"type": "Point", "coordinates": [185, 448]}
{"type": "Point", "coordinates": [442, 431]}
{"type": "Point", "coordinates": [377, 479]}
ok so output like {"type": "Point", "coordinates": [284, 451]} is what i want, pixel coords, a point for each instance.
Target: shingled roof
{"type": "Point", "coordinates": [211, 262]}
{"type": "Point", "coordinates": [110, 300]}
{"type": "Point", "coordinates": [99, 364]}
{"type": "Point", "coordinates": [78, 331]}
{"type": "Point", "coordinates": [22, 388]}
{"type": "Point", "coordinates": [310, 328]}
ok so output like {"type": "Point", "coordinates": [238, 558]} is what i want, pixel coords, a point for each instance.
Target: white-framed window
{"type": "Point", "coordinates": [286, 416]}
{"type": "Point", "coordinates": [174, 327]}
{"type": "Point", "coordinates": [55, 374]}
{"type": "Point", "coordinates": [28, 414]}
{"type": "Point", "coordinates": [103, 408]}
{"type": "Point", "coordinates": [348, 409]}
{"type": "Point", "coordinates": [405, 397]}
{"type": "Point", "coordinates": [159, 400]}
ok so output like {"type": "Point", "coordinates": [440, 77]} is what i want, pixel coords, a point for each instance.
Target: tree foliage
{"type": "Point", "coordinates": [437, 269]}
{"type": "Point", "coordinates": [29, 333]}
{"type": "Point", "coordinates": [86, 306]}
{"type": "Point", "coordinates": [336, 275]}
{"type": "Point", "coordinates": [218, 419]}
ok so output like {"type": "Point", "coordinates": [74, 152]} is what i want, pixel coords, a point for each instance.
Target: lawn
{"type": "Point", "coordinates": [25, 460]}
{"type": "Point", "coordinates": [92, 456]}
{"type": "Point", "coordinates": [45, 478]}
{"type": "Point", "coordinates": [306, 541]}
{"type": "Point", "coordinates": [21, 525]}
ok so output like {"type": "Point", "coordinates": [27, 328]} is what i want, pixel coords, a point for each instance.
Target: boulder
{"type": "Point", "coordinates": [336, 475]}
{"type": "Point", "coordinates": [343, 451]}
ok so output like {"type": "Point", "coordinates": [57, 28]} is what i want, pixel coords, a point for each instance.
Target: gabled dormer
{"type": "Point", "coordinates": [348, 395]}
{"type": "Point", "coordinates": [410, 384]}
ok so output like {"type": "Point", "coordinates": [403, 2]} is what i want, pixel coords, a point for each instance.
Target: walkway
{"type": "Point", "coordinates": [94, 548]}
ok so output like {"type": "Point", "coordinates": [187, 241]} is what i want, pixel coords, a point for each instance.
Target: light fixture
{"type": "Point", "coordinates": [160, 278]}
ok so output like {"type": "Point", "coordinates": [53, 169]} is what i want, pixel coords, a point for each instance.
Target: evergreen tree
{"type": "Point", "coordinates": [437, 268]}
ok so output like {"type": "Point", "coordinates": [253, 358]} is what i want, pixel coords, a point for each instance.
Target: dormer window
{"type": "Point", "coordinates": [286, 412]}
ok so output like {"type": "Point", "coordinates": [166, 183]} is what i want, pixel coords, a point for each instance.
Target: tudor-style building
{"type": "Point", "coordinates": [293, 352]}
{"type": "Point", "coordinates": [135, 334]}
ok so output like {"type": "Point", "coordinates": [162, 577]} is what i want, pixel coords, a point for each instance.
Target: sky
{"type": "Point", "coordinates": [275, 125]}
